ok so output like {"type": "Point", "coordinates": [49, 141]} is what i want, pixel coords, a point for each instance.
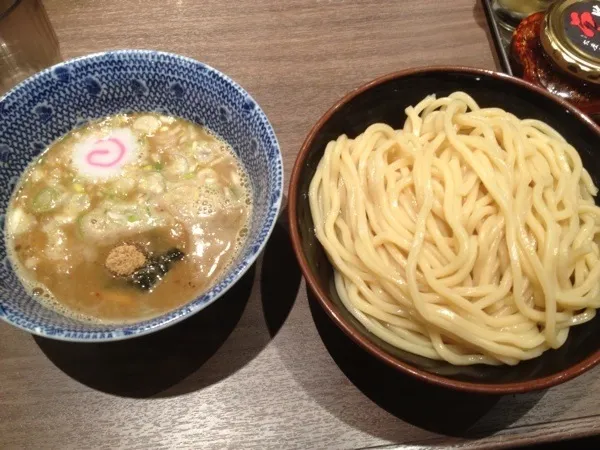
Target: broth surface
{"type": "Point", "coordinates": [155, 182]}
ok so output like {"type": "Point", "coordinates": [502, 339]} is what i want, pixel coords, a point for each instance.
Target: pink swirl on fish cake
{"type": "Point", "coordinates": [92, 155]}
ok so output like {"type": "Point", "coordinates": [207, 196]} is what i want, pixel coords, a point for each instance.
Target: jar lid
{"type": "Point", "coordinates": [570, 35]}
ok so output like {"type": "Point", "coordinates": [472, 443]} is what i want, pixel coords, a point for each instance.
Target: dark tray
{"type": "Point", "coordinates": [500, 36]}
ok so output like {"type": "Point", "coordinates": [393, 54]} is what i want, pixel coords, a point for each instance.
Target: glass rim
{"type": "Point", "coordinates": [9, 9]}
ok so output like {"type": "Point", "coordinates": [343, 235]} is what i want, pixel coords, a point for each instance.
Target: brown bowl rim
{"type": "Point", "coordinates": [331, 309]}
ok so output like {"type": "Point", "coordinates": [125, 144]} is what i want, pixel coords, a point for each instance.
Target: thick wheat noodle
{"type": "Point", "coordinates": [468, 235]}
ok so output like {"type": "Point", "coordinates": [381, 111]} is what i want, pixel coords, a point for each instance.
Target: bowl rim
{"type": "Point", "coordinates": [124, 331]}
{"type": "Point", "coordinates": [332, 310]}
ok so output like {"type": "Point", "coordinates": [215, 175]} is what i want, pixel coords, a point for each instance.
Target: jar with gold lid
{"type": "Point", "coordinates": [560, 51]}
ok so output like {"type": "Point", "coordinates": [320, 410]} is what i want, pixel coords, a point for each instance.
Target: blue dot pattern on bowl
{"type": "Point", "coordinates": [51, 103]}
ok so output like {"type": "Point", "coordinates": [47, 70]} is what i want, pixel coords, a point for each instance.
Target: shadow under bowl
{"type": "Point", "coordinates": [384, 100]}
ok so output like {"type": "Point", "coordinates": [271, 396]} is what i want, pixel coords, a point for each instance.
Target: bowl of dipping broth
{"type": "Point", "coordinates": [139, 186]}
{"type": "Point", "coordinates": [446, 220]}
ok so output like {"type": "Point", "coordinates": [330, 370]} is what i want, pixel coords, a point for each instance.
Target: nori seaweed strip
{"type": "Point", "coordinates": [155, 269]}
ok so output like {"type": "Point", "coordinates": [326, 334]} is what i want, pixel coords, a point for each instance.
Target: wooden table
{"type": "Point", "coordinates": [264, 367]}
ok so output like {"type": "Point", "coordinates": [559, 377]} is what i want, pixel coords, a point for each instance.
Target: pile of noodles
{"type": "Point", "coordinates": [469, 235]}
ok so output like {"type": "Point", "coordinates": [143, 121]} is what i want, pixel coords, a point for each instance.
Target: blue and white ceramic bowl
{"type": "Point", "coordinates": [51, 103]}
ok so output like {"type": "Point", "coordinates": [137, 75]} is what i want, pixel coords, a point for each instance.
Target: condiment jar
{"type": "Point", "coordinates": [560, 51]}
{"type": "Point", "coordinates": [510, 12]}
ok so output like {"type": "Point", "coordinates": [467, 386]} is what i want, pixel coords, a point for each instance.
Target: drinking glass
{"type": "Point", "coordinates": [27, 41]}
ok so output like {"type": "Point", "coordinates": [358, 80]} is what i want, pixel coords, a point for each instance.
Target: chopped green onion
{"type": "Point", "coordinates": [237, 191]}
{"type": "Point", "coordinates": [157, 167]}
{"type": "Point", "coordinates": [79, 222]}
{"type": "Point", "coordinates": [111, 194]}
{"type": "Point", "coordinates": [132, 218]}
{"type": "Point", "coordinates": [46, 200]}
{"type": "Point", "coordinates": [189, 176]}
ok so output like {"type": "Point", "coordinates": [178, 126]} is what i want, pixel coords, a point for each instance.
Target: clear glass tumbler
{"type": "Point", "coordinates": [511, 12]}
{"type": "Point", "coordinates": [28, 43]}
